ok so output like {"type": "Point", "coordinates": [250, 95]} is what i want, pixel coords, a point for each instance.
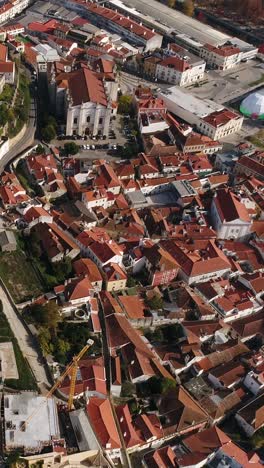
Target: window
{"type": "Point", "coordinates": [100, 120]}
{"type": "Point", "coordinates": [88, 118]}
{"type": "Point", "coordinates": [75, 120]}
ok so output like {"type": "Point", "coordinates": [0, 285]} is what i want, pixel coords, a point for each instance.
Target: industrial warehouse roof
{"type": "Point", "coordinates": [199, 107]}
{"type": "Point", "coordinates": [174, 20]}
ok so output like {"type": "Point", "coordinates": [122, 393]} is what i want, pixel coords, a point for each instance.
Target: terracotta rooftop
{"type": "Point", "coordinates": [180, 411]}
{"type": "Point", "coordinates": [101, 417]}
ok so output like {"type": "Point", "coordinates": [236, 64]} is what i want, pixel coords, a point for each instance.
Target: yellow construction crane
{"type": "Point", "coordinates": [71, 371]}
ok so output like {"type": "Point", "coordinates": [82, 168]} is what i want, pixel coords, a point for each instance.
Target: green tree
{"type": "Point", "coordinates": [125, 104]}
{"type": "Point", "coordinates": [1, 307]}
{"type": "Point", "coordinates": [171, 3]}
{"type": "Point", "coordinates": [61, 349]}
{"type": "Point", "coordinates": [40, 149]}
{"type": "Point", "coordinates": [10, 115]}
{"type": "Point", "coordinates": [161, 385]}
{"type": "Point", "coordinates": [154, 302]}
{"type": "Point", "coordinates": [71, 148]}
{"type": "Point", "coordinates": [188, 7]}
{"type": "Point", "coordinates": [50, 120]}
{"type": "Point", "coordinates": [44, 339]}
{"type": "Point", "coordinates": [128, 389]}
{"type": "Point", "coordinates": [3, 114]}
{"type": "Point", "coordinates": [155, 336]}
{"type": "Point", "coordinates": [48, 133]}
{"type": "Point", "coordinates": [47, 315]}
{"type": "Point", "coordinates": [172, 333]}
{"type": "Point", "coordinates": [131, 282]}
{"type": "Point", "coordinates": [62, 269]}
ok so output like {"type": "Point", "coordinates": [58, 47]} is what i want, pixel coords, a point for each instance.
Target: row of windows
{"type": "Point", "coordinates": [88, 119]}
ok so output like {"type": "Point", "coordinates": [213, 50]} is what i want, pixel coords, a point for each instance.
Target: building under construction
{"type": "Point", "coordinates": [30, 422]}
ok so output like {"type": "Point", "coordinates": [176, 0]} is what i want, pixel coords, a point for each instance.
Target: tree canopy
{"type": "Point", "coordinates": [48, 133]}
{"type": "Point", "coordinates": [47, 315]}
{"type": "Point", "coordinates": [71, 148]}
{"type": "Point", "coordinates": [161, 385]}
{"type": "Point", "coordinates": [125, 104]}
{"type": "Point", "coordinates": [188, 7]}
{"type": "Point", "coordinates": [154, 302]}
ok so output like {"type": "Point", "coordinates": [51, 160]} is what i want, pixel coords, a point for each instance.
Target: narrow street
{"type": "Point", "coordinates": [25, 341]}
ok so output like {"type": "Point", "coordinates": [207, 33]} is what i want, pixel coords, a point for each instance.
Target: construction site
{"type": "Point", "coordinates": [33, 424]}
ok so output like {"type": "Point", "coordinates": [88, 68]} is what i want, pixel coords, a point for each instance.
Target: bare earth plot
{"type": "Point", "coordinates": [19, 276]}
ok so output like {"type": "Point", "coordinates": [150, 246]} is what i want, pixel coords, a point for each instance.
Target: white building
{"type": "Point", "coordinates": [45, 54]}
{"type": "Point", "coordinates": [86, 99]}
{"type": "Point", "coordinates": [208, 117]}
{"type": "Point", "coordinates": [254, 382]}
{"type": "Point", "coordinates": [9, 9]}
{"type": "Point", "coordinates": [179, 71]}
{"type": "Point", "coordinates": [222, 57]}
{"type": "Point", "coordinates": [152, 121]}
{"type": "Point", "coordinates": [229, 216]}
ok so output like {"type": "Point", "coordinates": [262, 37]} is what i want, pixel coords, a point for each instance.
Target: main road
{"type": "Point", "coordinates": [24, 142]}
{"type": "Point", "coordinates": [25, 341]}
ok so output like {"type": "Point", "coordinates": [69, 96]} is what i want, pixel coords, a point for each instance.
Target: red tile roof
{"type": "Point", "coordinates": [86, 267]}
{"type": "Point", "coordinates": [84, 86]}
{"type": "Point", "coordinates": [114, 272]}
{"type": "Point", "coordinates": [223, 50]}
{"type": "Point", "coordinates": [219, 118]}
{"type": "Point", "coordinates": [229, 207]}
{"type": "Point", "coordinates": [122, 21]}
{"type": "Point", "coordinates": [78, 289]}
{"type": "Point", "coordinates": [90, 375]}
{"type": "Point", "coordinates": [180, 412]}
{"type": "Point", "coordinates": [101, 417]}
{"type": "Point", "coordinates": [130, 435]}
{"type": "Point", "coordinates": [207, 441]}
{"type": "Point", "coordinates": [177, 63]}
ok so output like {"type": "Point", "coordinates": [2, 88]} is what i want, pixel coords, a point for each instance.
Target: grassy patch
{"type": "Point", "coordinates": [258, 82]}
{"type": "Point", "coordinates": [19, 277]}
{"type": "Point", "coordinates": [25, 39]}
{"type": "Point", "coordinates": [257, 139]}
{"type": "Point", "coordinates": [26, 380]}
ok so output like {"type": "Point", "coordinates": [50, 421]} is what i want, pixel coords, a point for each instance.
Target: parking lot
{"type": "Point", "coordinates": [119, 136]}
{"type": "Point", "coordinates": [227, 85]}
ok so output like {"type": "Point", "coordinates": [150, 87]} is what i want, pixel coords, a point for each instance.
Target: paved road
{"type": "Point", "coordinates": [24, 340]}
{"type": "Point", "coordinates": [24, 142]}
{"type": "Point", "coordinates": [129, 82]}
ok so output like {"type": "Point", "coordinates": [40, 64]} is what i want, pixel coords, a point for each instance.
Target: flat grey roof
{"type": "Point", "coordinates": [136, 197]}
{"type": "Point", "coordinates": [189, 102]}
{"type": "Point", "coordinates": [83, 431]}
{"type": "Point", "coordinates": [176, 20]}
{"type": "Point", "coordinates": [183, 188]}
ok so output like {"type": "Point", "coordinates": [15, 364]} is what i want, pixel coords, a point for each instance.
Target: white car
{"type": "Point", "coordinates": [92, 147]}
